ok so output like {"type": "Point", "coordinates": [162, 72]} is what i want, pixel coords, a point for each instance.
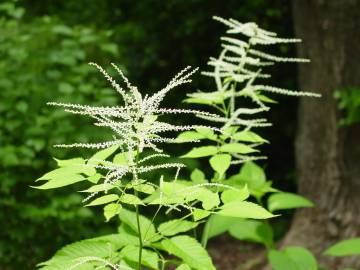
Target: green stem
{"type": "Point", "coordinates": [205, 234]}
{"type": "Point", "coordinates": [139, 235]}
{"type": "Point", "coordinates": [138, 215]}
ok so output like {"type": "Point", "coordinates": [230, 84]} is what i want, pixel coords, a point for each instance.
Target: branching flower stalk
{"type": "Point", "coordinates": [236, 72]}
{"type": "Point", "coordinates": [117, 171]}
{"type": "Point", "coordinates": [137, 131]}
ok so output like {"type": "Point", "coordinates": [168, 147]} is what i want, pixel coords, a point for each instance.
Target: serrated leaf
{"type": "Point", "coordinates": [230, 195]}
{"type": "Point", "coordinates": [239, 148]}
{"type": "Point", "coordinates": [208, 198]}
{"type": "Point", "coordinates": [254, 177]}
{"type": "Point", "coordinates": [347, 247]}
{"type": "Point", "coordinates": [102, 155]}
{"type": "Point", "coordinates": [244, 210]}
{"type": "Point", "coordinates": [266, 99]}
{"type": "Point", "coordinates": [215, 97]}
{"type": "Point", "coordinates": [111, 210]}
{"type": "Point", "coordinates": [252, 230]}
{"type": "Point", "coordinates": [292, 258]}
{"type": "Point", "coordinates": [104, 199]}
{"type": "Point", "coordinates": [149, 258]}
{"type": "Point", "coordinates": [176, 226]}
{"type": "Point", "coordinates": [198, 177]}
{"type": "Point", "coordinates": [199, 214]}
{"type": "Point", "coordinates": [187, 136]}
{"type": "Point", "coordinates": [249, 136]}
{"type": "Point", "coordinates": [70, 162]}
{"type": "Point", "coordinates": [280, 261]}
{"type": "Point", "coordinates": [99, 187]}
{"type": "Point", "coordinates": [220, 163]}
{"type": "Point", "coordinates": [219, 224]}
{"type": "Point", "coordinates": [121, 159]}
{"type": "Point", "coordinates": [206, 132]}
{"type": "Point", "coordinates": [183, 267]}
{"type": "Point", "coordinates": [61, 181]}
{"type": "Point", "coordinates": [64, 258]}
{"type": "Point", "coordinates": [284, 200]}
{"type": "Point", "coordinates": [95, 178]}
{"type": "Point", "coordinates": [144, 188]}
{"type": "Point", "coordinates": [190, 251]}
{"type": "Point", "coordinates": [130, 199]}
{"type": "Point", "coordinates": [202, 151]}
{"type": "Point", "coordinates": [146, 227]}
{"type": "Point", "coordinates": [65, 171]}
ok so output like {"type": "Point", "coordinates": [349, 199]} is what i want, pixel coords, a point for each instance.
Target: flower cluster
{"type": "Point", "coordinates": [235, 71]}
{"type": "Point", "coordinates": [135, 125]}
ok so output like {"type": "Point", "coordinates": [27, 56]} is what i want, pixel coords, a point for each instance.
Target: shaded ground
{"type": "Point", "coordinates": [230, 254]}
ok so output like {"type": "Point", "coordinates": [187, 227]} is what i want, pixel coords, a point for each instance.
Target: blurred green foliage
{"type": "Point", "coordinates": [349, 102]}
{"type": "Point", "coordinates": [44, 50]}
{"type": "Point", "coordinates": [40, 61]}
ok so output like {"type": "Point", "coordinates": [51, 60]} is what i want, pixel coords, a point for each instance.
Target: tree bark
{"type": "Point", "coordinates": [327, 157]}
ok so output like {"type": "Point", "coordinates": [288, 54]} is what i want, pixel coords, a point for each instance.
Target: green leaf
{"type": "Point", "coordinates": [220, 163]}
{"type": "Point", "coordinates": [292, 258]}
{"type": "Point", "coordinates": [66, 171]}
{"type": "Point", "coordinates": [146, 227]}
{"type": "Point", "coordinates": [252, 230]}
{"type": "Point", "coordinates": [206, 132]}
{"type": "Point", "coordinates": [200, 214]}
{"type": "Point", "coordinates": [239, 148]}
{"type": "Point", "coordinates": [111, 210]}
{"type": "Point", "coordinates": [266, 99]}
{"type": "Point", "coordinates": [215, 97]}
{"type": "Point", "coordinates": [144, 188]}
{"type": "Point", "coordinates": [280, 261]}
{"type": "Point", "coordinates": [219, 224]}
{"type": "Point", "coordinates": [283, 200]}
{"type": "Point", "coordinates": [202, 151]}
{"type": "Point", "coordinates": [347, 247]}
{"type": "Point", "coordinates": [244, 210]}
{"type": "Point", "coordinates": [254, 177]}
{"type": "Point", "coordinates": [198, 177]}
{"type": "Point", "coordinates": [70, 162]}
{"type": "Point", "coordinates": [64, 258]}
{"type": "Point", "coordinates": [176, 226]}
{"type": "Point", "coordinates": [149, 258]}
{"type": "Point", "coordinates": [95, 178]}
{"type": "Point", "coordinates": [104, 199]}
{"type": "Point", "coordinates": [249, 136]}
{"type": "Point", "coordinates": [253, 174]}
{"type": "Point", "coordinates": [61, 181]}
{"type": "Point", "coordinates": [183, 267]}
{"type": "Point", "coordinates": [102, 155]}
{"type": "Point", "coordinates": [235, 195]}
{"type": "Point", "coordinates": [187, 136]}
{"type": "Point", "coordinates": [99, 187]}
{"type": "Point", "coordinates": [121, 159]}
{"type": "Point", "coordinates": [208, 198]}
{"type": "Point", "coordinates": [190, 251]}
{"type": "Point", "coordinates": [130, 199]}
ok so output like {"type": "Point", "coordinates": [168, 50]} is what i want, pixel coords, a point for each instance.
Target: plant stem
{"type": "Point", "coordinates": [139, 235]}
{"type": "Point", "coordinates": [137, 213]}
{"type": "Point", "coordinates": [205, 234]}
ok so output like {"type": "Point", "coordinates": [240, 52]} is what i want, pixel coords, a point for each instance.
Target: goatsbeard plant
{"type": "Point", "coordinates": [115, 177]}
{"type": "Point", "coordinates": [239, 97]}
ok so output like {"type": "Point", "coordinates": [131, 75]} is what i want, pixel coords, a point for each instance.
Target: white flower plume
{"type": "Point", "coordinates": [236, 71]}
{"type": "Point", "coordinates": [136, 125]}
{"type": "Point", "coordinates": [136, 121]}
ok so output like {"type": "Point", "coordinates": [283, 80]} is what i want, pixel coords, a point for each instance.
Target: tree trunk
{"type": "Point", "coordinates": [327, 157]}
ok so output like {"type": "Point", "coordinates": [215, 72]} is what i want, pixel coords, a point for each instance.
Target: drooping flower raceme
{"type": "Point", "coordinates": [236, 71]}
